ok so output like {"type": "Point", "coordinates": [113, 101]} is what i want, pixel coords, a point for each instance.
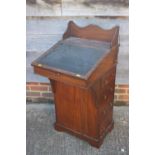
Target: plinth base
{"type": "Point", "coordinates": [92, 141]}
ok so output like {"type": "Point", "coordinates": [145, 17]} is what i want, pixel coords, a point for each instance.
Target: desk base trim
{"type": "Point", "coordinates": [92, 141]}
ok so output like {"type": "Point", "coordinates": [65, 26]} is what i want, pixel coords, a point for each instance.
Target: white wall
{"type": "Point", "coordinates": [77, 7]}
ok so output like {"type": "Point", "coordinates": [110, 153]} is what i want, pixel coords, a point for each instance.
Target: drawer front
{"type": "Point", "coordinates": [105, 117]}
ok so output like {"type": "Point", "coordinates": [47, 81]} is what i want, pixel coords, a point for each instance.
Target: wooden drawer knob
{"type": "Point", "coordinates": [104, 112]}
{"type": "Point", "coordinates": [106, 81]}
{"type": "Point", "coordinates": [105, 97]}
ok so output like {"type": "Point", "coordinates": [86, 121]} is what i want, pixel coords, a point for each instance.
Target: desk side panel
{"type": "Point", "coordinates": [103, 93]}
{"type": "Point", "coordinates": [75, 110]}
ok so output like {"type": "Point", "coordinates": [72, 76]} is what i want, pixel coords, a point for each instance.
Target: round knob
{"type": "Point", "coordinates": [104, 112]}
{"type": "Point", "coordinates": [105, 97]}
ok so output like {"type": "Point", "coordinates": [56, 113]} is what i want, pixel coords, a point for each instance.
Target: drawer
{"type": "Point", "coordinates": [105, 117]}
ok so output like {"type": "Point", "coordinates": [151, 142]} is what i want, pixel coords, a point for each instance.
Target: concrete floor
{"type": "Point", "coordinates": [42, 139]}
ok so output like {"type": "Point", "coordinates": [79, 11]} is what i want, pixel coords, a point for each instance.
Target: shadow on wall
{"type": "Point", "coordinates": [85, 2]}
{"type": "Point", "coordinates": [50, 2]}
{"type": "Point", "coordinates": [106, 2]}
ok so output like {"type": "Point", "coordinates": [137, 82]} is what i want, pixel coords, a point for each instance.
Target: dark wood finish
{"type": "Point", "coordinates": [92, 32]}
{"type": "Point", "coordinates": [84, 104]}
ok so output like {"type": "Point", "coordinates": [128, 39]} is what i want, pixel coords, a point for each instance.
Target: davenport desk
{"type": "Point", "coordinates": [81, 68]}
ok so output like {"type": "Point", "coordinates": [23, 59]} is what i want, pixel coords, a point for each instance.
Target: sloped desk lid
{"type": "Point", "coordinates": [73, 56]}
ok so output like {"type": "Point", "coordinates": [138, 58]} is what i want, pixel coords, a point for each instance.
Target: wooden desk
{"type": "Point", "coordinates": [81, 69]}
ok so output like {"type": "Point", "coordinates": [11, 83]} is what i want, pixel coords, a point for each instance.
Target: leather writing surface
{"type": "Point", "coordinates": [75, 55]}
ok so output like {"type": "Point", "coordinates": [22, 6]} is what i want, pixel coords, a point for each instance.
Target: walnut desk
{"type": "Point", "coordinates": [81, 69]}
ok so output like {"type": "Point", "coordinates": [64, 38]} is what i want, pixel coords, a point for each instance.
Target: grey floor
{"type": "Point", "coordinates": [42, 139]}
